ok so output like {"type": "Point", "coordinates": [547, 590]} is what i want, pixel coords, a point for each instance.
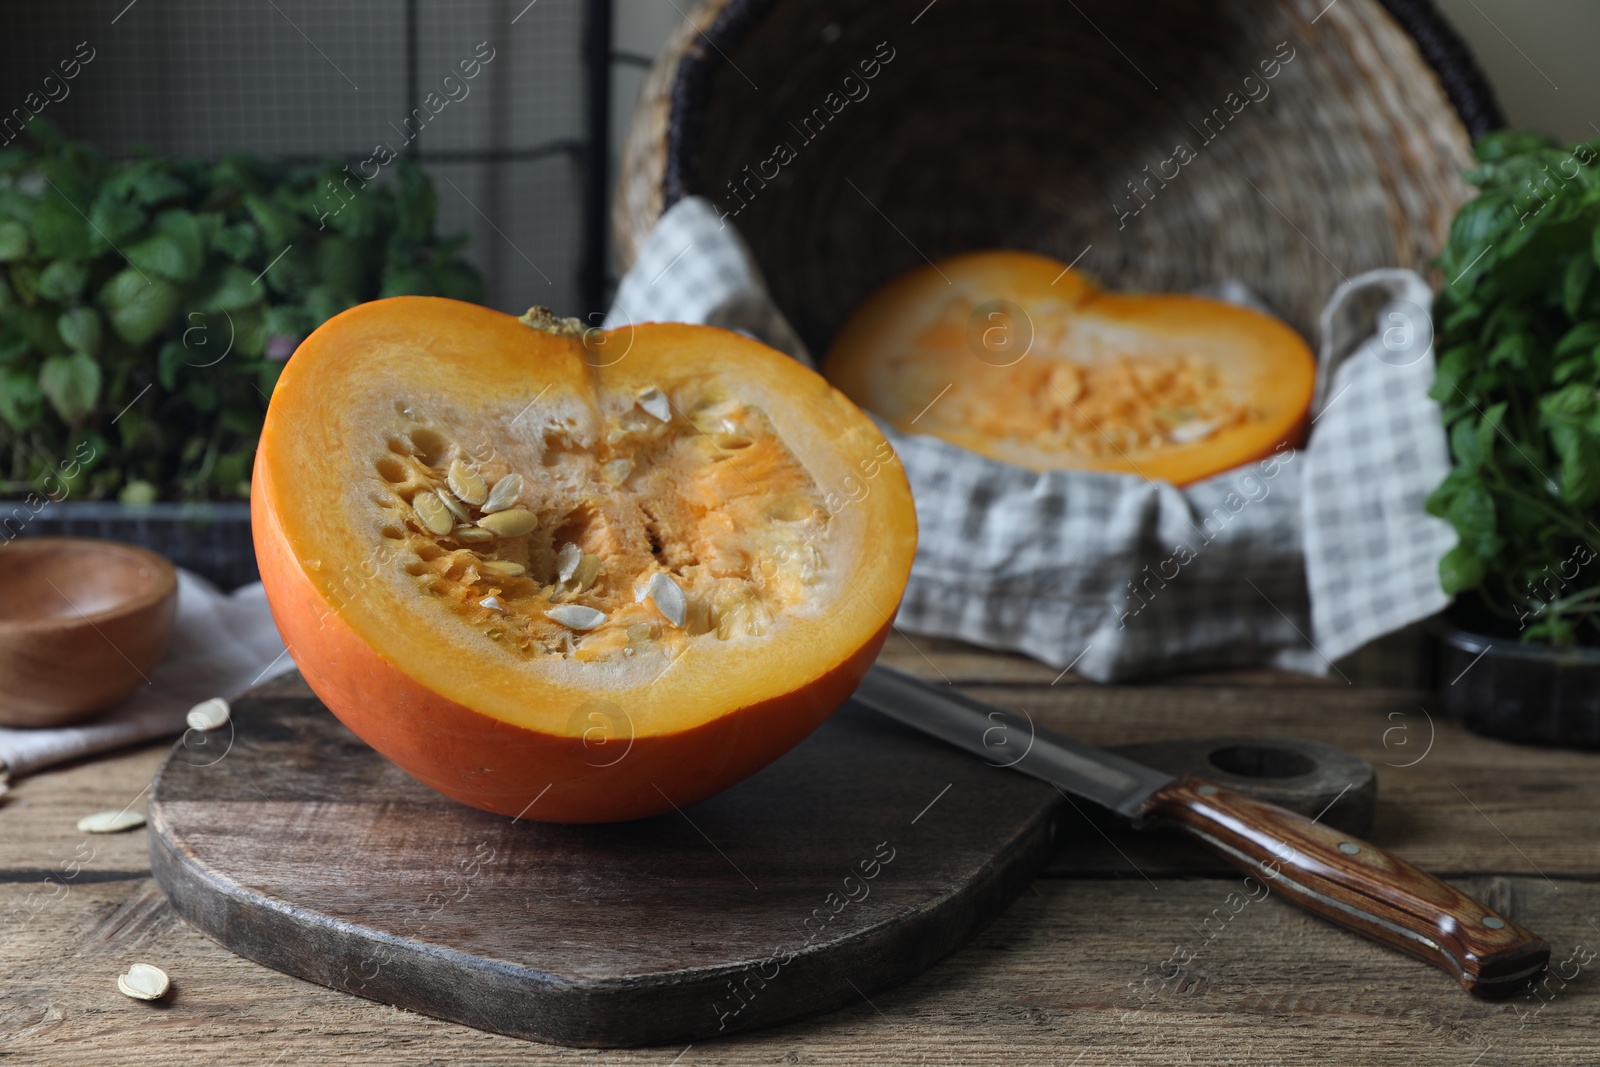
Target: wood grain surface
{"type": "Point", "coordinates": [851, 864]}
{"type": "Point", "coordinates": [1130, 950]}
{"type": "Point", "coordinates": [840, 870]}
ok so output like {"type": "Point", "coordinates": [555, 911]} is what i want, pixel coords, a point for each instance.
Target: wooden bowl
{"type": "Point", "coordinates": [82, 623]}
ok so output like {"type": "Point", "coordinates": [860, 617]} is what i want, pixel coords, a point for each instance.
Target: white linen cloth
{"type": "Point", "coordinates": [1294, 561]}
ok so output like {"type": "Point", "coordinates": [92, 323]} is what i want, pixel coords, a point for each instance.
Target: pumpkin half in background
{"type": "Point", "coordinates": [570, 575]}
{"type": "Point", "coordinates": [1014, 356]}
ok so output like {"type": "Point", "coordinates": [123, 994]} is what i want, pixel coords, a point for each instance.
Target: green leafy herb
{"type": "Point", "coordinates": [1519, 384]}
{"type": "Point", "coordinates": [73, 385]}
{"type": "Point", "coordinates": [146, 305]}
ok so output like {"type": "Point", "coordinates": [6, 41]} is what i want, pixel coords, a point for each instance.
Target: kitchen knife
{"type": "Point", "coordinates": [1324, 870]}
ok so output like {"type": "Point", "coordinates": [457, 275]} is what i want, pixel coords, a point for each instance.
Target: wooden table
{"type": "Point", "coordinates": [1081, 970]}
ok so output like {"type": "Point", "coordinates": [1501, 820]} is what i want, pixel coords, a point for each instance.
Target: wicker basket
{"type": "Point", "coordinates": [1054, 128]}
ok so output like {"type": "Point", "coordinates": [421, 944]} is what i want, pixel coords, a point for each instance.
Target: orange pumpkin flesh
{"type": "Point", "coordinates": [774, 506]}
{"type": "Point", "coordinates": [1014, 356]}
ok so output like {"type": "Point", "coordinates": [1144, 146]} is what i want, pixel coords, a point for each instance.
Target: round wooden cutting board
{"type": "Point", "coordinates": [852, 864]}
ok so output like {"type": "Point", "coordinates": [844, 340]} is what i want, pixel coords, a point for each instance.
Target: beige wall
{"type": "Point", "coordinates": [1541, 57]}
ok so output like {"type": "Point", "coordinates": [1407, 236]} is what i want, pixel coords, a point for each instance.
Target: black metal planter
{"type": "Point", "coordinates": [212, 540]}
{"type": "Point", "coordinates": [1521, 692]}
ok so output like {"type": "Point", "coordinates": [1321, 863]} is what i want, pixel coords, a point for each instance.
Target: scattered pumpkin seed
{"type": "Point", "coordinates": [576, 616]}
{"type": "Point", "coordinates": [208, 714]}
{"type": "Point", "coordinates": [616, 472]}
{"type": "Point", "coordinates": [144, 982]}
{"type": "Point", "coordinates": [512, 523]}
{"type": "Point", "coordinates": [507, 491]}
{"type": "Point", "coordinates": [567, 561]}
{"type": "Point", "coordinates": [656, 404]}
{"type": "Point", "coordinates": [467, 483]}
{"type": "Point", "coordinates": [457, 508]}
{"type": "Point", "coordinates": [431, 510]}
{"type": "Point", "coordinates": [493, 604]}
{"type": "Point", "coordinates": [502, 568]}
{"type": "Point", "coordinates": [668, 598]}
{"type": "Point", "coordinates": [472, 535]}
{"type": "Point", "coordinates": [110, 822]}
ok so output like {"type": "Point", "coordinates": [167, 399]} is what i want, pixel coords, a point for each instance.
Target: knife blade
{"type": "Point", "coordinates": [1324, 870]}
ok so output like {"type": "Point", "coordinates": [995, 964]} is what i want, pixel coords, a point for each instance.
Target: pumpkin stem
{"type": "Point", "coordinates": [542, 318]}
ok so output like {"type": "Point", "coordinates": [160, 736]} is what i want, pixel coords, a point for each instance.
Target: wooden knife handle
{"type": "Point", "coordinates": [1356, 885]}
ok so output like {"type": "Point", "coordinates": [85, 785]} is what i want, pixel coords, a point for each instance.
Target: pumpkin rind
{"type": "Point", "coordinates": [918, 353]}
{"type": "Point", "coordinates": [476, 722]}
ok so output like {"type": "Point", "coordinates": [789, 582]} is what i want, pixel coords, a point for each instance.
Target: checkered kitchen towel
{"type": "Point", "coordinates": [1295, 561]}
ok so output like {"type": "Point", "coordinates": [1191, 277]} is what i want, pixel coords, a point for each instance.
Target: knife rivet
{"type": "Point", "coordinates": [1208, 790]}
{"type": "Point", "coordinates": [1348, 849]}
{"type": "Point", "coordinates": [1493, 923]}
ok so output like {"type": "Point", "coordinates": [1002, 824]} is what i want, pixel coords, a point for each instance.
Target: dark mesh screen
{"type": "Point", "coordinates": [302, 79]}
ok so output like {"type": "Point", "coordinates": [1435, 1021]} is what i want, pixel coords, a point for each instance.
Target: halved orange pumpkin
{"type": "Point", "coordinates": [1015, 356]}
{"type": "Point", "coordinates": [573, 575]}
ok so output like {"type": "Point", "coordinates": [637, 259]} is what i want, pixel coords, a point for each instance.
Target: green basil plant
{"type": "Point", "coordinates": [147, 305]}
{"type": "Point", "coordinates": [1518, 326]}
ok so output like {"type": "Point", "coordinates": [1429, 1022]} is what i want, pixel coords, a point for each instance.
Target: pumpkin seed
{"type": "Point", "coordinates": [638, 631]}
{"type": "Point", "coordinates": [466, 483]}
{"type": "Point", "coordinates": [110, 822]}
{"type": "Point", "coordinates": [668, 598]}
{"type": "Point", "coordinates": [810, 564]}
{"type": "Point", "coordinates": [507, 491]}
{"type": "Point", "coordinates": [616, 472]}
{"type": "Point", "coordinates": [587, 571]}
{"type": "Point", "coordinates": [208, 714]}
{"type": "Point", "coordinates": [567, 561]}
{"type": "Point", "coordinates": [1190, 432]}
{"type": "Point", "coordinates": [431, 510]}
{"type": "Point", "coordinates": [472, 535]}
{"type": "Point", "coordinates": [655, 403]}
{"type": "Point", "coordinates": [502, 568]}
{"type": "Point", "coordinates": [457, 508]}
{"type": "Point", "coordinates": [512, 523]}
{"type": "Point", "coordinates": [576, 616]}
{"type": "Point", "coordinates": [493, 604]}
{"type": "Point", "coordinates": [144, 982]}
